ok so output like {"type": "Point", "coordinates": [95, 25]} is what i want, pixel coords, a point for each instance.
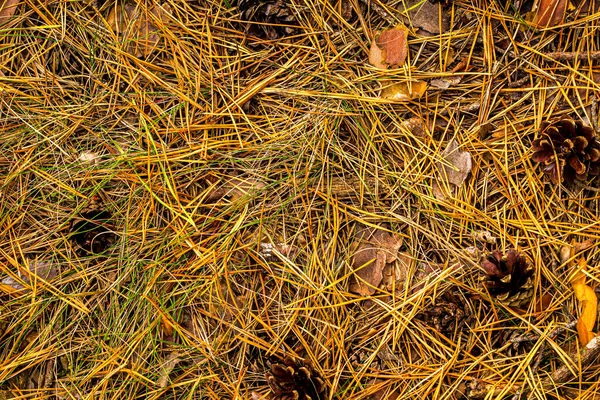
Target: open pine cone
{"type": "Point", "coordinates": [568, 150]}
{"type": "Point", "coordinates": [449, 314]}
{"type": "Point", "coordinates": [270, 19]}
{"type": "Point", "coordinates": [90, 232]}
{"type": "Point", "coordinates": [295, 381]}
{"type": "Point", "coordinates": [508, 277]}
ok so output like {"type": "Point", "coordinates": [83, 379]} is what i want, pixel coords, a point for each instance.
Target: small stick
{"type": "Point", "coordinates": [467, 108]}
{"type": "Point", "coordinates": [518, 83]}
{"type": "Point", "coordinates": [588, 355]}
{"type": "Point", "coordinates": [551, 335]}
{"type": "Point", "coordinates": [574, 55]}
{"type": "Point", "coordinates": [595, 114]}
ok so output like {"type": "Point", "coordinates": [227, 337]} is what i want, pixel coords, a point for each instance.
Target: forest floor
{"type": "Point", "coordinates": [239, 200]}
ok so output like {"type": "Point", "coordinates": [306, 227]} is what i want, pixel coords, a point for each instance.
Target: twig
{"type": "Point", "coordinates": [587, 357]}
{"type": "Point", "coordinates": [468, 108]}
{"type": "Point", "coordinates": [594, 119]}
{"type": "Point", "coordinates": [519, 82]}
{"type": "Point", "coordinates": [552, 335]}
{"type": "Point", "coordinates": [574, 55]}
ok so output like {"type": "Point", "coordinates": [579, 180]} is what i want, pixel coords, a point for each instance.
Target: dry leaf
{"type": "Point", "coordinates": [425, 15]}
{"type": "Point", "coordinates": [550, 12]}
{"type": "Point", "coordinates": [376, 57]}
{"type": "Point", "coordinates": [445, 83]}
{"type": "Point", "coordinates": [89, 157]}
{"type": "Point", "coordinates": [582, 246]}
{"type": "Point", "coordinates": [170, 362]}
{"type": "Point", "coordinates": [404, 91]}
{"type": "Point", "coordinates": [234, 189]}
{"type": "Point", "coordinates": [272, 251]}
{"type": "Point", "coordinates": [7, 10]}
{"type": "Point", "coordinates": [589, 304]}
{"type": "Point", "coordinates": [135, 26]}
{"type": "Point", "coordinates": [393, 274]}
{"type": "Point", "coordinates": [543, 303]}
{"type": "Point", "coordinates": [390, 48]}
{"type": "Point", "coordinates": [457, 164]}
{"type": "Point", "coordinates": [375, 249]}
{"type": "Point", "coordinates": [485, 237]}
{"type": "Point", "coordinates": [41, 269]}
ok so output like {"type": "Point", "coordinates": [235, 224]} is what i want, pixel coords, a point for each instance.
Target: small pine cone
{"type": "Point", "coordinates": [568, 150]}
{"type": "Point", "coordinates": [270, 19]}
{"type": "Point", "coordinates": [449, 314]}
{"type": "Point", "coordinates": [508, 277]}
{"type": "Point", "coordinates": [89, 231]}
{"type": "Point", "coordinates": [295, 381]}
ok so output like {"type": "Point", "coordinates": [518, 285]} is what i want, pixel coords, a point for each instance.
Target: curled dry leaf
{"type": "Point", "coordinates": [376, 248]}
{"type": "Point", "coordinates": [135, 24]}
{"type": "Point", "coordinates": [550, 13]}
{"type": "Point", "coordinates": [589, 304]}
{"type": "Point", "coordinates": [390, 48]}
{"type": "Point", "coordinates": [485, 237]}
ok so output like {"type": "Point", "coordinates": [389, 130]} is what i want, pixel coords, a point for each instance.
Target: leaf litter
{"type": "Point", "coordinates": [191, 291]}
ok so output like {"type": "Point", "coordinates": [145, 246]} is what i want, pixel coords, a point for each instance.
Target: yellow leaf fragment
{"type": "Point", "coordinates": [404, 91]}
{"type": "Point", "coordinates": [589, 304]}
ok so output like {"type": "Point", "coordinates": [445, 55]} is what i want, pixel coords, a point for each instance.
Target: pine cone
{"type": "Point", "coordinates": [449, 314]}
{"type": "Point", "coordinates": [508, 277]}
{"type": "Point", "coordinates": [568, 149]}
{"type": "Point", "coordinates": [273, 18]}
{"type": "Point", "coordinates": [295, 381]}
{"type": "Point", "coordinates": [89, 230]}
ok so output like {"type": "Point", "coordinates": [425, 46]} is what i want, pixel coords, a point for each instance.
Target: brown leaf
{"type": "Point", "coordinates": [234, 189]}
{"type": "Point", "coordinates": [394, 45]}
{"type": "Point", "coordinates": [582, 246]}
{"type": "Point", "coordinates": [446, 82]}
{"type": "Point", "coordinates": [170, 363]}
{"type": "Point", "coordinates": [457, 164]}
{"type": "Point", "coordinates": [376, 248]}
{"type": "Point", "coordinates": [390, 48]}
{"type": "Point", "coordinates": [384, 392]}
{"type": "Point", "coordinates": [424, 15]}
{"type": "Point", "coordinates": [7, 10]}
{"type": "Point", "coordinates": [41, 269]}
{"type": "Point", "coordinates": [376, 57]}
{"type": "Point", "coordinates": [398, 272]}
{"type": "Point", "coordinates": [135, 26]}
{"type": "Point", "coordinates": [550, 12]}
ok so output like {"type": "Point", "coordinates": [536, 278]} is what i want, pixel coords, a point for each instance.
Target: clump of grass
{"type": "Point", "coordinates": [217, 142]}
